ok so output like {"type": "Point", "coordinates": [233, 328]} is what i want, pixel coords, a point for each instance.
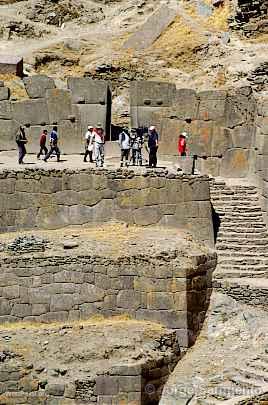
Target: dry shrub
{"type": "Point", "coordinates": [15, 84]}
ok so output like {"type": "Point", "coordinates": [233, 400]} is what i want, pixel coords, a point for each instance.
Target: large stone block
{"type": "Point", "coordinates": [33, 112]}
{"type": "Point", "coordinates": [69, 138]}
{"type": "Point", "coordinates": [88, 91]}
{"type": "Point", "coordinates": [144, 116]}
{"type": "Point", "coordinates": [61, 302]}
{"type": "Point", "coordinates": [152, 28]}
{"type": "Point", "coordinates": [8, 130]}
{"type": "Point", "coordinates": [11, 64]}
{"type": "Point", "coordinates": [212, 105]}
{"type": "Point", "coordinates": [235, 163]}
{"type": "Point", "coordinates": [241, 107]}
{"type": "Point", "coordinates": [4, 93]}
{"type": "Point", "coordinates": [185, 104]}
{"type": "Point", "coordinates": [243, 137]}
{"type": "Point", "coordinates": [59, 105]}
{"type": "Point", "coordinates": [147, 215]}
{"type": "Point", "coordinates": [90, 114]}
{"type": "Point", "coordinates": [36, 86]}
{"type": "Point", "coordinates": [152, 94]}
{"type": "Point", "coordinates": [5, 110]}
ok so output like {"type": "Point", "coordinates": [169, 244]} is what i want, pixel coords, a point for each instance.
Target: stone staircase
{"type": "Point", "coordinates": [240, 384]}
{"type": "Point", "coordinates": [241, 242]}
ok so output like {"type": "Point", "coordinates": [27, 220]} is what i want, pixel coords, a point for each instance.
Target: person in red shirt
{"type": "Point", "coordinates": [42, 142]}
{"type": "Point", "coordinates": [182, 146]}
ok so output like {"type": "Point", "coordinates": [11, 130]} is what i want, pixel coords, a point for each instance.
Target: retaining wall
{"type": "Point", "coordinates": [53, 199]}
{"type": "Point", "coordinates": [166, 287]}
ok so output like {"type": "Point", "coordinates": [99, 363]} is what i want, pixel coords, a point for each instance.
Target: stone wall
{"type": "Point", "coordinates": [164, 287]}
{"type": "Point", "coordinates": [54, 199]}
{"type": "Point", "coordinates": [116, 380]}
{"type": "Point", "coordinates": [250, 17]}
{"type": "Point", "coordinates": [260, 172]}
{"type": "Point", "coordinates": [221, 124]}
{"type": "Point", "coordinates": [85, 102]}
{"type": "Point", "coordinates": [251, 294]}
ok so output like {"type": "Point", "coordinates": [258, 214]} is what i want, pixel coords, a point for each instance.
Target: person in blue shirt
{"type": "Point", "coordinates": [53, 145]}
{"type": "Point", "coordinates": [153, 139]}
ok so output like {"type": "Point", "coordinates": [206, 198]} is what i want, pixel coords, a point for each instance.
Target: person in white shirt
{"type": "Point", "coordinates": [89, 144]}
{"type": "Point", "coordinates": [124, 142]}
{"type": "Point", "coordinates": [99, 141]}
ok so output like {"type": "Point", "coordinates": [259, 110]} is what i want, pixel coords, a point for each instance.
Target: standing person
{"type": "Point", "coordinates": [42, 142]}
{"type": "Point", "coordinates": [136, 142]}
{"type": "Point", "coordinates": [89, 144]}
{"type": "Point", "coordinates": [53, 145]}
{"type": "Point", "coordinates": [153, 139]}
{"type": "Point", "coordinates": [182, 145]}
{"type": "Point", "coordinates": [21, 141]}
{"type": "Point", "coordinates": [124, 142]}
{"type": "Point", "coordinates": [99, 140]}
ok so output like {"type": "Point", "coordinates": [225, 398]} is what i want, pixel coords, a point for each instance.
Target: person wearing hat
{"type": "Point", "coordinates": [182, 145]}
{"type": "Point", "coordinates": [153, 139]}
{"type": "Point", "coordinates": [89, 144]}
{"type": "Point", "coordinates": [99, 140]}
{"type": "Point", "coordinates": [124, 143]}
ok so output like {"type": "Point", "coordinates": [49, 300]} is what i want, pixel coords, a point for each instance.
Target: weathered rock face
{"type": "Point", "coordinates": [50, 200]}
{"type": "Point", "coordinates": [114, 271]}
{"type": "Point", "coordinates": [251, 17]}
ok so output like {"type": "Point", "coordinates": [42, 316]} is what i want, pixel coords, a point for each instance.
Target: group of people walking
{"type": "Point", "coordinates": [21, 141]}
{"type": "Point", "coordinates": [131, 143]}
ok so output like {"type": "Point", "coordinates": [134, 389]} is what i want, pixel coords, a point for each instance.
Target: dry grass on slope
{"type": "Point", "coordinates": [179, 46]}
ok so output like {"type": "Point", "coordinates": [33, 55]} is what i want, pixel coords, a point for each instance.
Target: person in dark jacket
{"type": "Point", "coordinates": [153, 139]}
{"type": "Point", "coordinates": [53, 145]}
{"type": "Point", "coordinates": [42, 142]}
{"type": "Point", "coordinates": [21, 141]}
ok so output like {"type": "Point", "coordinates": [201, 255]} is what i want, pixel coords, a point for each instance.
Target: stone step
{"type": "Point", "coordinates": [259, 365]}
{"type": "Point", "coordinates": [236, 273]}
{"type": "Point", "coordinates": [243, 268]}
{"type": "Point", "coordinates": [246, 382]}
{"type": "Point", "coordinates": [207, 401]}
{"type": "Point", "coordinates": [245, 234]}
{"type": "Point", "coordinates": [250, 240]}
{"type": "Point", "coordinates": [234, 214]}
{"type": "Point", "coordinates": [260, 227]}
{"type": "Point", "coordinates": [233, 248]}
{"type": "Point", "coordinates": [226, 391]}
{"type": "Point", "coordinates": [243, 209]}
{"type": "Point", "coordinates": [251, 372]}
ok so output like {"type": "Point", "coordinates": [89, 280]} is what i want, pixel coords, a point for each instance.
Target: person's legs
{"type": "Point", "coordinates": [90, 152]}
{"type": "Point", "coordinates": [102, 154]}
{"type": "Point", "coordinates": [127, 156]}
{"type": "Point", "coordinates": [122, 158]}
{"type": "Point", "coordinates": [155, 157]}
{"type": "Point", "coordinates": [20, 154]}
{"type": "Point", "coordinates": [97, 154]}
{"type": "Point", "coordinates": [57, 151]}
{"type": "Point", "coordinates": [86, 154]}
{"type": "Point", "coordinates": [48, 154]}
{"type": "Point", "coordinates": [151, 157]}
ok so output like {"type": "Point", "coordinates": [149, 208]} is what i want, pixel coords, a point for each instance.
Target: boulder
{"type": "Point", "coordinates": [36, 86]}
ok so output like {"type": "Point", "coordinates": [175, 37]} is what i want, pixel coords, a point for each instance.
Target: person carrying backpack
{"type": "Point", "coordinates": [21, 141]}
{"type": "Point", "coordinates": [42, 142]}
{"type": "Point", "coordinates": [124, 143]}
{"type": "Point", "coordinates": [53, 145]}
